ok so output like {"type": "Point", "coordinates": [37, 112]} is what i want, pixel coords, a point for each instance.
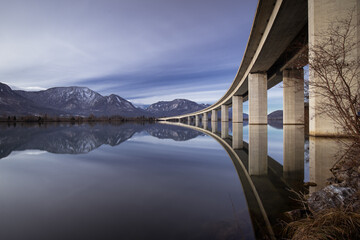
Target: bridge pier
{"type": "Point", "coordinates": [257, 85]}
{"type": "Point", "coordinates": [224, 113]}
{"type": "Point", "coordinates": [322, 14]}
{"type": "Point", "coordinates": [214, 117]}
{"type": "Point", "coordinates": [205, 117]}
{"type": "Point", "coordinates": [293, 100]}
{"type": "Point", "coordinates": [323, 155]}
{"type": "Point", "coordinates": [237, 109]}
{"type": "Point", "coordinates": [224, 121]}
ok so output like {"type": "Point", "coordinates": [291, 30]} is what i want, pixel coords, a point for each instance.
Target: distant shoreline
{"type": "Point", "coordinates": [73, 119]}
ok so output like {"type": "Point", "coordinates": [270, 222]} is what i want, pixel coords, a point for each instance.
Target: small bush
{"type": "Point", "coordinates": [334, 224]}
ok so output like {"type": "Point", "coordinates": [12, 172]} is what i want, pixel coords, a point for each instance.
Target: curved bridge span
{"type": "Point", "coordinates": [277, 51]}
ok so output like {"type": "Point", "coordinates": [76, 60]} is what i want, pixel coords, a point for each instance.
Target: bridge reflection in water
{"type": "Point", "coordinates": [267, 183]}
{"type": "Point", "coordinates": [265, 180]}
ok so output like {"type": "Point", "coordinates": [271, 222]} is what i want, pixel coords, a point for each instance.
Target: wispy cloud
{"type": "Point", "coordinates": [144, 51]}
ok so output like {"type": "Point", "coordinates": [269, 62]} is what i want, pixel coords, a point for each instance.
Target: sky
{"type": "Point", "coordinates": [144, 51]}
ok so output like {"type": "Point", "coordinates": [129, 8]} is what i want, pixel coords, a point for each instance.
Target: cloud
{"type": "Point", "coordinates": [144, 51]}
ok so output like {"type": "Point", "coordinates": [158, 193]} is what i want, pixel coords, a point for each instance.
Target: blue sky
{"type": "Point", "coordinates": [144, 51]}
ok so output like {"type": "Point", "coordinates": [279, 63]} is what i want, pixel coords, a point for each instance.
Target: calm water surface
{"type": "Point", "coordinates": [134, 181]}
{"type": "Point", "coordinates": [151, 181]}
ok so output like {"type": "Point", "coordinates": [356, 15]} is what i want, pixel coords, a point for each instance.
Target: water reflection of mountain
{"type": "Point", "coordinates": [173, 132]}
{"type": "Point", "coordinates": [278, 124]}
{"type": "Point", "coordinates": [75, 139]}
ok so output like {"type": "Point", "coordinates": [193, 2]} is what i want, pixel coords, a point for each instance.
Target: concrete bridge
{"type": "Point", "coordinates": [282, 31]}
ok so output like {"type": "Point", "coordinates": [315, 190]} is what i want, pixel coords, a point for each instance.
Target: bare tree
{"type": "Point", "coordinates": [335, 64]}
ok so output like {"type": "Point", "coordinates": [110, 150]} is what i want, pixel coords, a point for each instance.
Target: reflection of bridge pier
{"type": "Point", "coordinates": [293, 167]}
{"type": "Point", "coordinates": [237, 137]}
{"type": "Point", "coordinates": [258, 162]}
{"type": "Point", "coordinates": [261, 176]}
{"type": "Point", "coordinates": [197, 120]}
{"type": "Point", "coordinates": [225, 129]}
{"type": "Point", "coordinates": [323, 155]}
{"type": "Point", "coordinates": [214, 127]}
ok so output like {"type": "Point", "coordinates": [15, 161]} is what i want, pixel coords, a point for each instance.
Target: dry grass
{"type": "Point", "coordinates": [329, 224]}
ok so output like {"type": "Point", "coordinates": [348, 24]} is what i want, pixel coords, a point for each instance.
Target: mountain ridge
{"type": "Point", "coordinates": [174, 107]}
{"type": "Point", "coordinates": [82, 101]}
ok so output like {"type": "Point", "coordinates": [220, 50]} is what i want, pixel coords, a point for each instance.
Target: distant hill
{"type": "Point", "coordinates": [12, 103]}
{"type": "Point", "coordinates": [174, 108]}
{"type": "Point", "coordinates": [276, 115]}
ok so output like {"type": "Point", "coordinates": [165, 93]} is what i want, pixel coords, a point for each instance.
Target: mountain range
{"type": "Point", "coordinates": [76, 139]}
{"type": "Point", "coordinates": [82, 101]}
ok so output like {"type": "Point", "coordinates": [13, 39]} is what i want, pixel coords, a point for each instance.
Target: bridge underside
{"type": "Point", "coordinates": [277, 51]}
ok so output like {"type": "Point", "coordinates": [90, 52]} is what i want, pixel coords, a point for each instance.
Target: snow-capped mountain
{"type": "Point", "coordinates": [69, 99]}
{"type": "Point", "coordinates": [175, 107]}
{"type": "Point", "coordinates": [82, 101]}
{"type": "Point", "coordinates": [117, 105]}
{"type": "Point", "coordinates": [11, 103]}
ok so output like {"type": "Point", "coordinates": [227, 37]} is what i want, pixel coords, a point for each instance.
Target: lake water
{"type": "Point", "coordinates": [146, 181]}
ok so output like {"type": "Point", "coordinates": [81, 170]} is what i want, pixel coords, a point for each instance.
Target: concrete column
{"type": "Point", "coordinates": [224, 113]}
{"type": "Point", "coordinates": [294, 154]}
{"type": "Point", "coordinates": [197, 120]}
{"type": "Point", "coordinates": [205, 117]}
{"type": "Point", "coordinates": [237, 109]}
{"type": "Point", "coordinates": [237, 138]}
{"type": "Point", "coordinates": [257, 84]}
{"type": "Point", "coordinates": [293, 100]}
{"type": "Point", "coordinates": [205, 120]}
{"type": "Point", "coordinates": [225, 129]}
{"type": "Point", "coordinates": [214, 117]}
{"type": "Point", "coordinates": [189, 120]}
{"type": "Point", "coordinates": [258, 162]}
{"type": "Point", "coordinates": [214, 126]}
{"type": "Point", "coordinates": [322, 14]}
